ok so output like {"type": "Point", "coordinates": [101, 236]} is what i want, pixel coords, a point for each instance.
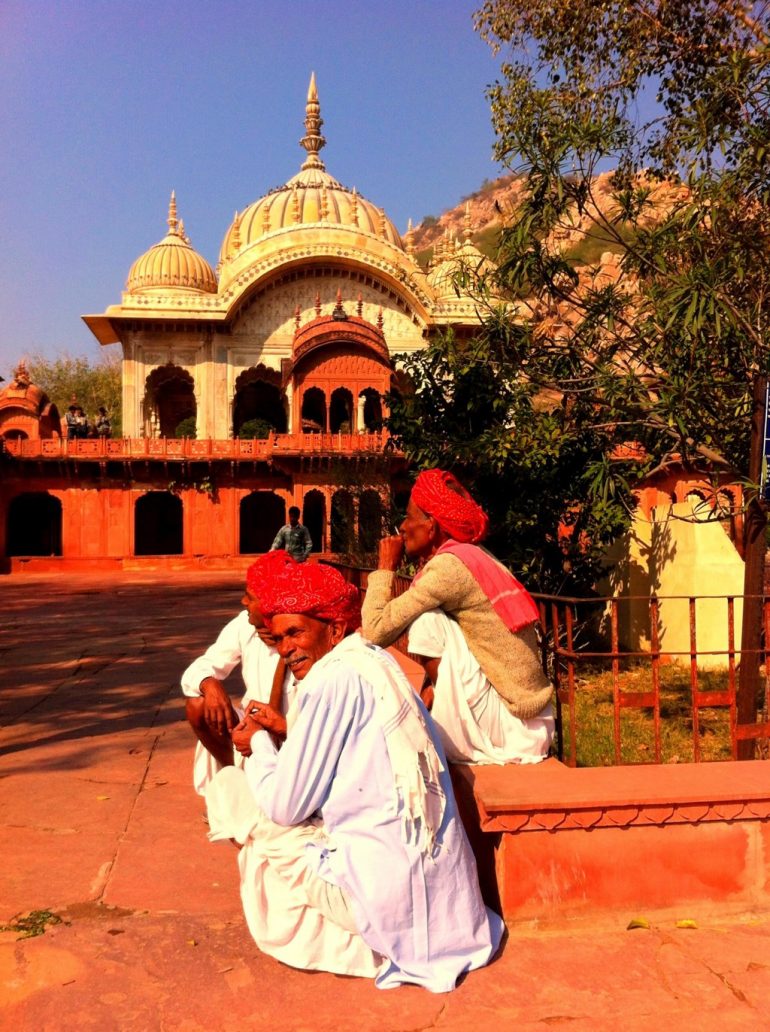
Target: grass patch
{"type": "Point", "coordinates": [32, 924]}
{"type": "Point", "coordinates": [594, 718]}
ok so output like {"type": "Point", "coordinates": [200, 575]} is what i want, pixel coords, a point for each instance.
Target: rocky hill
{"type": "Point", "coordinates": [486, 209]}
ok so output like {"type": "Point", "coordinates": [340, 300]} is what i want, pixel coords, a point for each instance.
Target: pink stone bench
{"type": "Point", "coordinates": [556, 843]}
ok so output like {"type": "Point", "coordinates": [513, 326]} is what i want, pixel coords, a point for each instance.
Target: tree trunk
{"type": "Point", "coordinates": [755, 523]}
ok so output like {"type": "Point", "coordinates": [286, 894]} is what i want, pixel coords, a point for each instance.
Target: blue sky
{"type": "Point", "coordinates": [106, 105]}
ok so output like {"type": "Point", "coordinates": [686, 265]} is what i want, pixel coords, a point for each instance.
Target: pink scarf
{"type": "Point", "coordinates": [510, 600]}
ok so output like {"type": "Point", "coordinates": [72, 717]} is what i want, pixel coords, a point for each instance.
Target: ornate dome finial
{"type": "Point", "coordinates": [313, 141]}
{"type": "Point", "coordinates": [235, 236]}
{"type": "Point", "coordinates": [20, 375]}
{"type": "Point", "coordinates": [172, 220]}
{"type": "Point", "coordinates": [409, 239]}
{"type": "Point", "coordinates": [338, 311]}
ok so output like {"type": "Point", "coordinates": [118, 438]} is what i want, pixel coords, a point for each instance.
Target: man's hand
{"type": "Point", "coordinates": [218, 711]}
{"type": "Point", "coordinates": [242, 735]}
{"type": "Point", "coordinates": [268, 718]}
{"type": "Point", "coordinates": [391, 553]}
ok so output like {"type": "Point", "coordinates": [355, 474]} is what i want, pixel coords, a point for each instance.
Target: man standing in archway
{"type": "Point", "coordinates": [294, 537]}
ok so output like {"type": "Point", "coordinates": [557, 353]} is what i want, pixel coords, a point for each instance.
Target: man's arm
{"type": "Point", "coordinates": [218, 661]}
{"type": "Point", "coordinates": [278, 541]}
{"type": "Point", "coordinates": [442, 585]}
{"type": "Point", "coordinates": [291, 785]}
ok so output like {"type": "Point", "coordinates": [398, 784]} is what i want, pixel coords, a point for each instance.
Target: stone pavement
{"type": "Point", "coordinates": [100, 827]}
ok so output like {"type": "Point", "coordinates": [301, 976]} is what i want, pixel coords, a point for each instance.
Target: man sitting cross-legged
{"type": "Point", "coordinates": [245, 640]}
{"type": "Point", "coordinates": [353, 860]}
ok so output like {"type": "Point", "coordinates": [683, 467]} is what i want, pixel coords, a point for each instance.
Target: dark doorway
{"type": "Point", "coordinates": [372, 414]}
{"type": "Point", "coordinates": [342, 522]}
{"type": "Point", "coordinates": [313, 411]}
{"type": "Point", "coordinates": [262, 515]}
{"type": "Point", "coordinates": [259, 405]}
{"type": "Point", "coordinates": [170, 392]}
{"type": "Point", "coordinates": [158, 524]}
{"type": "Point", "coordinates": [341, 411]}
{"type": "Point", "coordinates": [34, 524]}
{"type": "Point", "coordinates": [369, 521]}
{"type": "Point", "coordinates": [314, 517]}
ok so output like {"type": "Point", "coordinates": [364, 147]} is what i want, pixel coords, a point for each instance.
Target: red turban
{"type": "Point", "coordinates": [454, 510]}
{"type": "Point", "coordinates": [312, 589]}
{"type": "Point", "coordinates": [266, 568]}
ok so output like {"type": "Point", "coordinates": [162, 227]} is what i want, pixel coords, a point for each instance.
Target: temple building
{"type": "Point", "coordinates": [246, 388]}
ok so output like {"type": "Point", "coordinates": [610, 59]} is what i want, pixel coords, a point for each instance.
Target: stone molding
{"type": "Point", "coordinates": [624, 816]}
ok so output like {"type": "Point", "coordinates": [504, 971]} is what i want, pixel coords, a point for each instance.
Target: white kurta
{"type": "Point", "coordinates": [474, 723]}
{"type": "Point", "coordinates": [238, 642]}
{"type": "Point", "coordinates": [424, 914]}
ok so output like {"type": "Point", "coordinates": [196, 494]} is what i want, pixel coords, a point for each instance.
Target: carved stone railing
{"type": "Point", "coordinates": [188, 448]}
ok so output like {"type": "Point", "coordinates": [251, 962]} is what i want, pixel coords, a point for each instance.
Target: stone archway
{"type": "Point", "coordinates": [34, 524]}
{"type": "Point", "coordinates": [313, 415]}
{"type": "Point", "coordinates": [169, 403]}
{"type": "Point", "coordinates": [369, 520]}
{"type": "Point", "coordinates": [158, 524]}
{"type": "Point", "coordinates": [341, 411]}
{"type": "Point", "coordinates": [258, 404]}
{"type": "Point", "coordinates": [262, 514]}
{"type": "Point", "coordinates": [342, 522]}
{"type": "Point", "coordinates": [314, 517]}
{"type": "Point", "coordinates": [369, 411]}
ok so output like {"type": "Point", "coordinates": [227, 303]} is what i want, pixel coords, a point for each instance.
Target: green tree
{"type": "Point", "coordinates": [93, 384]}
{"type": "Point", "coordinates": [572, 363]}
{"type": "Point", "coordinates": [669, 353]}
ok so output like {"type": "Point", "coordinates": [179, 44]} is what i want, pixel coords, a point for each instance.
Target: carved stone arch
{"type": "Point", "coordinates": [169, 400]}
{"type": "Point", "coordinates": [259, 403]}
{"type": "Point", "coordinates": [370, 520]}
{"type": "Point", "coordinates": [314, 517]}
{"type": "Point", "coordinates": [34, 524]}
{"type": "Point", "coordinates": [158, 524]}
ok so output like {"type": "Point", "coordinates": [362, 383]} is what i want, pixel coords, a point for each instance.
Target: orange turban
{"type": "Point", "coordinates": [452, 507]}
{"type": "Point", "coordinates": [312, 589]}
{"type": "Point", "coordinates": [267, 567]}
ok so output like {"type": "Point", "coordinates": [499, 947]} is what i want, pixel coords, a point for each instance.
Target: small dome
{"type": "Point", "coordinates": [309, 198]}
{"type": "Point", "coordinates": [453, 260]}
{"type": "Point", "coordinates": [172, 263]}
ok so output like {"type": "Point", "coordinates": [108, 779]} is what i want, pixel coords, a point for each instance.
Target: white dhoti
{"type": "Point", "coordinates": [293, 914]}
{"type": "Point", "coordinates": [474, 723]}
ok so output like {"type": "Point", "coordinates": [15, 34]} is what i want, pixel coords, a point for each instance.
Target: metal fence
{"type": "Point", "coordinates": [582, 637]}
{"type": "Point", "coordinates": [583, 644]}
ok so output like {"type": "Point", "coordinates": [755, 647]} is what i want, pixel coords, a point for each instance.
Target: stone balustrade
{"type": "Point", "coordinates": [169, 448]}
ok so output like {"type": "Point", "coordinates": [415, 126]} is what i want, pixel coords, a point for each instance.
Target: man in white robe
{"type": "Point", "coordinates": [474, 723]}
{"type": "Point", "coordinates": [244, 640]}
{"type": "Point", "coordinates": [387, 886]}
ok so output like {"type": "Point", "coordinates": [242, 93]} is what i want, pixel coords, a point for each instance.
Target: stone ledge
{"type": "Point", "coordinates": [550, 796]}
{"type": "Point", "coordinates": [612, 839]}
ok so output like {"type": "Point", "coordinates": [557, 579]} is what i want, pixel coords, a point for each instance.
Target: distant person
{"type": "Point", "coordinates": [71, 422]}
{"type": "Point", "coordinates": [471, 622]}
{"type": "Point", "coordinates": [294, 538]}
{"type": "Point", "coordinates": [81, 423]}
{"type": "Point", "coordinates": [103, 424]}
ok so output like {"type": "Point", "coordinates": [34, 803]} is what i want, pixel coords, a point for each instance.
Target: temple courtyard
{"type": "Point", "coordinates": [103, 851]}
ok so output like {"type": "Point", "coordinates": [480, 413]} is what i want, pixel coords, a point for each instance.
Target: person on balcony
{"type": "Point", "coordinates": [471, 622]}
{"type": "Point", "coordinates": [103, 425]}
{"type": "Point", "coordinates": [294, 538]}
{"type": "Point", "coordinates": [245, 640]}
{"type": "Point", "coordinates": [353, 859]}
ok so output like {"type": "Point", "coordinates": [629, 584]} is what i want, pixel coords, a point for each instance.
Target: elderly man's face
{"type": "Point", "coordinates": [251, 604]}
{"type": "Point", "coordinates": [302, 640]}
{"type": "Point", "coordinates": [418, 532]}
